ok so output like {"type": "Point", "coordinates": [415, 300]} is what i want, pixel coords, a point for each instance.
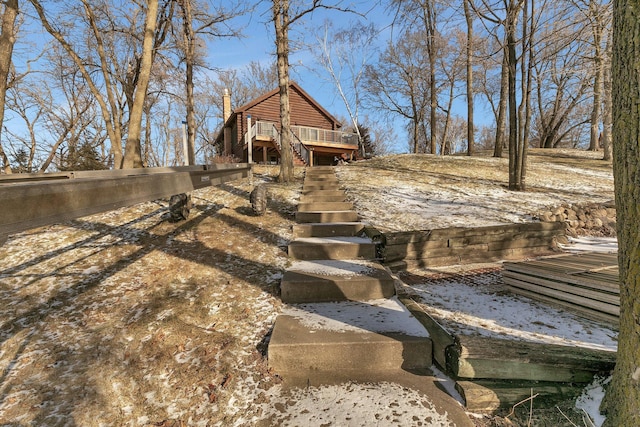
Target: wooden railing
{"type": "Point", "coordinates": [310, 135]}
{"type": "Point", "coordinates": [306, 135]}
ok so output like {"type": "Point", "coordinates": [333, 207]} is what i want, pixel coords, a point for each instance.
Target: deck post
{"type": "Point", "coordinates": [249, 141]}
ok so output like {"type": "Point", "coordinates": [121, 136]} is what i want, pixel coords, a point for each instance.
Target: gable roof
{"type": "Point", "coordinates": [276, 91]}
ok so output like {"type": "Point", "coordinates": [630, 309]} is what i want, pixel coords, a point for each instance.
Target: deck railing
{"type": "Point", "coordinates": [307, 135]}
{"type": "Point", "coordinates": [311, 135]}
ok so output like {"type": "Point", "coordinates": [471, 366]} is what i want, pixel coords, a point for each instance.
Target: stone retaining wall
{"type": "Point", "coordinates": [584, 219]}
{"type": "Point", "coordinates": [450, 246]}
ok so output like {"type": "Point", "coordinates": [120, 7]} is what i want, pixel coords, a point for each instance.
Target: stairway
{"type": "Point", "coordinates": [342, 320]}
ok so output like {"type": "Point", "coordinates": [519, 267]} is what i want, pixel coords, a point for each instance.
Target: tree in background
{"type": "Point", "coordinates": [8, 30]}
{"type": "Point", "coordinates": [622, 398]}
{"type": "Point", "coordinates": [398, 86]}
{"type": "Point", "coordinates": [344, 55]}
{"type": "Point", "coordinates": [284, 15]}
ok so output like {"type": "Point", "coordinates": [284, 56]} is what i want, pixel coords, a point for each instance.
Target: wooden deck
{"type": "Point", "coordinates": [584, 283]}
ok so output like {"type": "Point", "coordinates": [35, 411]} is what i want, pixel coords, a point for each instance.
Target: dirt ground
{"type": "Point", "coordinates": [126, 318]}
{"type": "Point", "coordinates": [129, 319]}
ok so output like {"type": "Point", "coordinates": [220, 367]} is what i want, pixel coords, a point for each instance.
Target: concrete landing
{"type": "Point", "coordinates": [324, 281]}
{"type": "Point", "coordinates": [369, 336]}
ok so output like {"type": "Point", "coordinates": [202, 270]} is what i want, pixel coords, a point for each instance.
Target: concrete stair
{"type": "Point", "coordinates": [375, 335]}
{"type": "Point", "coordinates": [317, 206]}
{"type": "Point", "coordinates": [327, 229]}
{"type": "Point", "coordinates": [342, 319]}
{"type": "Point", "coordinates": [330, 280]}
{"type": "Point", "coordinates": [332, 248]}
{"type": "Point", "coordinates": [327, 216]}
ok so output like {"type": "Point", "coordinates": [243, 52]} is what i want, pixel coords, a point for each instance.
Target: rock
{"type": "Point", "coordinates": [179, 207]}
{"type": "Point", "coordinates": [547, 217]}
{"type": "Point", "coordinates": [258, 199]}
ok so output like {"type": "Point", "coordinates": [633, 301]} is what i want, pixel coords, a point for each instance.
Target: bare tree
{"type": "Point", "coordinates": [469, 62]}
{"type": "Point", "coordinates": [116, 63]}
{"type": "Point", "coordinates": [197, 23]}
{"type": "Point", "coordinates": [423, 14]}
{"type": "Point", "coordinates": [284, 15]}
{"type": "Point", "coordinates": [343, 55]}
{"type": "Point", "coordinates": [397, 85]}
{"type": "Point", "coordinates": [8, 32]}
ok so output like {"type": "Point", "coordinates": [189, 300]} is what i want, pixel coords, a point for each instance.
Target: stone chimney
{"type": "Point", "coordinates": [226, 106]}
{"type": "Point", "coordinates": [226, 113]}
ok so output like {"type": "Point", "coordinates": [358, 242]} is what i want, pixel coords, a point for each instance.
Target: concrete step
{"type": "Point", "coordinates": [348, 337]}
{"type": "Point", "coordinates": [319, 186]}
{"type": "Point", "coordinates": [321, 178]}
{"type": "Point", "coordinates": [323, 193]}
{"type": "Point", "coordinates": [319, 170]}
{"type": "Point", "coordinates": [335, 216]}
{"type": "Point", "coordinates": [327, 229]}
{"type": "Point", "coordinates": [324, 206]}
{"type": "Point", "coordinates": [325, 281]}
{"type": "Point", "coordinates": [314, 248]}
{"type": "Point", "coordinates": [310, 199]}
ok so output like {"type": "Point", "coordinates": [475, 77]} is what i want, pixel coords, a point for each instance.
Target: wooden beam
{"type": "Point", "coordinates": [488, 396]}
{"type": "Point", "coordinates": [491, 358]}
{"type": "Point", "coordinates": [37, 200]}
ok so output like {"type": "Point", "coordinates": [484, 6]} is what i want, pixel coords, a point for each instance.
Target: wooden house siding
{"type": "Point", "coordinates": [305, 112]}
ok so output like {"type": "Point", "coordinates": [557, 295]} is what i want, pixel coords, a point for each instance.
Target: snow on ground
{"type": "Point", "coordinates": [481, 305]}
{"type": "Point", "coordinates": [425, 192]}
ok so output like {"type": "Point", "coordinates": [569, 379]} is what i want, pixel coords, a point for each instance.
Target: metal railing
{"type": "Point", "coordinates": [34, 200]}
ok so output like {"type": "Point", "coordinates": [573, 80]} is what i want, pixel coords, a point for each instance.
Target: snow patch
{"type": "Point", "coordinates": [379, 316]}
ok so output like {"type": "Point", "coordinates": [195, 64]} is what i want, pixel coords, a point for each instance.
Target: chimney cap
{"type": "Point", "coordinates": [226, 91]}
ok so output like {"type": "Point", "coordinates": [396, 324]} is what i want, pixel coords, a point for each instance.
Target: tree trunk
{"type": "Point", "coordinates": [623, 394]}
{"type": "Point", "coordinates": [501, 122]}
{"type": "Point", "coordinates": [281, 21]}
{"type": "Point", "coordinates": [596, 29]}
{"type": "Point", "coordinates": [190, 52]}
{"type": "Point", "coordinates": [470, 125]}
{"type": "Point", "coordinates": [608, 105]}
{"type": "Point", "coordinates": [133, 151]}
{"type": "Point", "coordinates": [7, 41]}
{"type": "Point", "coordinates": [514, 162]}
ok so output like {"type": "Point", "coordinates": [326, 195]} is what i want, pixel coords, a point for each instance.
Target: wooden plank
{"type": "Point", "coordinates": [440, 338]}
{"type": "Point", "coordinates": [462, 232]}
{"type": "Point", "coordinates": [526, 268]}
{"type": "Point", "coordinates": [605, 295]}
{"type": "Point", "coordinates": [565, 297]}
{"type": "Point", "coordinates": [488, 396]}
{"type": "Point", "coordinates": [611, 320]}
{"type": "Point", "coordinates": [476, 357]}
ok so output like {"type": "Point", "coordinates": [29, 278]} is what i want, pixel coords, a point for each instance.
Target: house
{"type": "Point", "coordinates": [316, 137]}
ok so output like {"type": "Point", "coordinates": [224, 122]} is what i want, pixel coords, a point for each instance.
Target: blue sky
{"type": "Point", "coordinates": [258, 45]}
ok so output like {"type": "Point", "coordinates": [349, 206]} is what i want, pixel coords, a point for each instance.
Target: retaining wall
{"type": "Point", "coordinates": [462, 245]}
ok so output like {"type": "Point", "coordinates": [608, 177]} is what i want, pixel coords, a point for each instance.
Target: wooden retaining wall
{"type": "Point", "coordinates": [493, 373]}
{"type": "Point", "coordinates": [465, 245]}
